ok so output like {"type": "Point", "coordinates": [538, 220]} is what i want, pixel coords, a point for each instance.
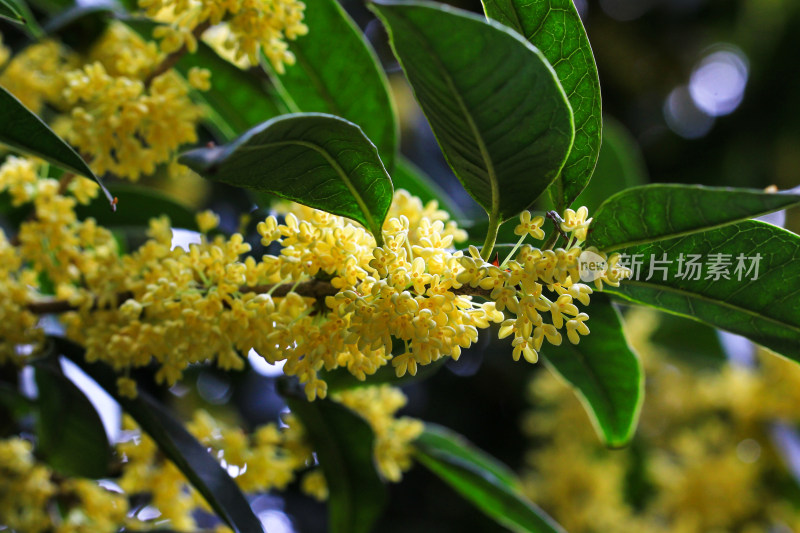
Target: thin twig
{"type": "Point", "coordinates": [172, 59]}
{"type": "Point", "coordinates": [313, 288]}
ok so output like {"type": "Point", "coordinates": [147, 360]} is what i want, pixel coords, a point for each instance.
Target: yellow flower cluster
{"type": "Point", "coordinates": [36, 74]}
{"type": "Point", "coordinates": [252, 26]}
{"type": "Point", "coordinates": [329, 299]}
{"type": "Point", "coordinates": [31, 496]}
{"type": "Point", "coordinates": [263, 461]}
{"type": "Point", "coordinates": [53, 246]}
{"type": "Point", "coordinates": [121, 121]}
{"type": "Point", "coordinates": [34, 500]}
{"type": "Point", "coordinates": [393, 436]}
{"type": "Point", "coordinates": [704, 458]}
{"type": "Point", "coordinates": [123, 124]}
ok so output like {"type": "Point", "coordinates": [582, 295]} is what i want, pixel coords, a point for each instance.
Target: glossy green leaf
{"type": "Point", "coordinates": [604, 372]}
{"type": "Point", "coordinates": [555, 28]}
{"type": "Point", "coordinates": [765, 309]}
{"type": "Point", "coordinates": [192, 458]}
{"type": "Point", "coordinates": [492, 100]}
{"type": "Point", "coordinates": [343, 442]}
{"type": "Point", "coordinates": [480, 479]}
{"type": "Point", "coordinates": [70, 434]}
{"type": "Point", "coordinates": [24, 131]}
{"type": "Point", "coordinates": [240, 98]}
{"type": "Point", "coordinates": [318, 160]}
{"type": "Point", "coordinates": [137, 205]}
{"type": "Point", "coordinates": [620, 166]}
{"type": "Point", "coordinates": [656, 212]}
{"type": "Point", "coordinates": [339, 74]}
{"type": "Point", "coordinates": [10, 11]}
{"type": "Point", "coordinates": [408, 176]}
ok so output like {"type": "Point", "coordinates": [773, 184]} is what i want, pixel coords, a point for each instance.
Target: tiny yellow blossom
{"type": "Point", "coordinates": [200, 78]}
{"type": "Point", "coordinates": [576, 222]}
{"type": "Point", "coordinates": [207, 221]}
{"type": "Point", "coordinates": [530, 226]}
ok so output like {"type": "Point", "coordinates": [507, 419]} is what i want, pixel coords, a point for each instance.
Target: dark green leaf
{"type": "Point", "coordinates": [344, 444]}
{"type": "Point", "coordinates": [10, 11]}
{"type": "Point", "coordinates": [480, 479]}
{"type": "Point", "coordinates": [765, 310]}
{"type": "Point", "coordinates": [656, 212]}
{"type": "Point", "coordinates": [80, 25]}
{"type": "Point", "coordinates": [605, 373]}
{"type": "Point", "coordinates": [318, 160]}
{"type": "Point", "coordinates": [23, 130]}
{"type": "Point", "coordinates": [240, 98]}
{"type": "Point", "coordinates": [176, 443]}
{"type": "Point", "coordinates": [71, 436]}
{"type": "Point", "coordinates": [493, 101]}
{"type": "Point", "coordinates": [555, 28]}
{"type": "Point", "coordinates": [13, 407]}
{"type": "Point", "coordinates": [446, 440]}
{"type": "Point", "coordinates": [408, 176]}
{"type": "Point", "coordinates": [341, 379]}
{"type": "Point", "coordinates": [620, 166]}
{"type": "Point", "coordinates": [339, 74]}
{"type": "Point", "coordinates": [137, 205]}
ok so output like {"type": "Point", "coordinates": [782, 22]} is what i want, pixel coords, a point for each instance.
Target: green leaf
{"type": "Point", "coordinates": [620, 166]}
{"type": "Point", "coordinates": [480, 479]}
{"type": "Point", "coordinates": [240, 98]}
{"type": "Point", "coordinates": [137, 205]}
{"type": "Point", "coordinates": [341, 379]}
{"type": "Point", "coordinates": [765, 310]}
{"type": "Point", "coordinates": [82, 23]}
{"type": "Point", "coordinates": [605, 373]}
{"type": "Point", "coordinates": [656, 212]}
{"type": "Point", "coordinates": [339, 74]}
{"type": "Point", "coordinates": [71, 436]}
{"type": "Point", "coordinates": [408, 176]}
{"type": "Point", "coordinates": [318, 160]}
{"type": "Point", "coordinates": [23, 130]}
{"type": "Point", "coordinates": [192, 458]}
{"type": "Point", "coordinates": [492, 100]}
{"type": "Point", "coordinates": [343, 442]}
{"type": "Point", "coordinates": [10, 11]}
{"type": "Point", "coordinates": [555, 28]}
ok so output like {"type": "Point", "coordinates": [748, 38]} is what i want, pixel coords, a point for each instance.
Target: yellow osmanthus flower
{"type": "Point", "coordinates": [253, 26]}
{"type": "Point", "coordinates": [126, 128]}
{"type": "Point", "coordinates": [576, 222]}
{"type": "Point", "coordinates": [36, 74]}
{"type": "Point", "coordinates": [119, 119]}
{"type": "Point", "coordinates": [414, 296]}
{"type": "Point", "coordinates": [34, 500]}
{"type": "Point", "coordinates": [393, 436]}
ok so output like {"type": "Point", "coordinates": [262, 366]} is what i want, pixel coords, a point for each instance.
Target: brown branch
{"type": "Point", "coordinates": [172, 59]}
{"type": "Point", "coordinates": [313, 288]}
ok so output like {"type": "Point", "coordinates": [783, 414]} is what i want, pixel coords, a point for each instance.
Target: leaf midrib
{"type": "Point", "coordinates": [492, 174]}
{"type": "Point", "coordinates": [333, 163]}
{"type": "Point", "coordinates": [702, 297]}
{"type": "Point", "coordinates": [684, 233]}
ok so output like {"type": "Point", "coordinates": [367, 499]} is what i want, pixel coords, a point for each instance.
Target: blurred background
{"type": "Point", "coordinates": [694, 91]}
